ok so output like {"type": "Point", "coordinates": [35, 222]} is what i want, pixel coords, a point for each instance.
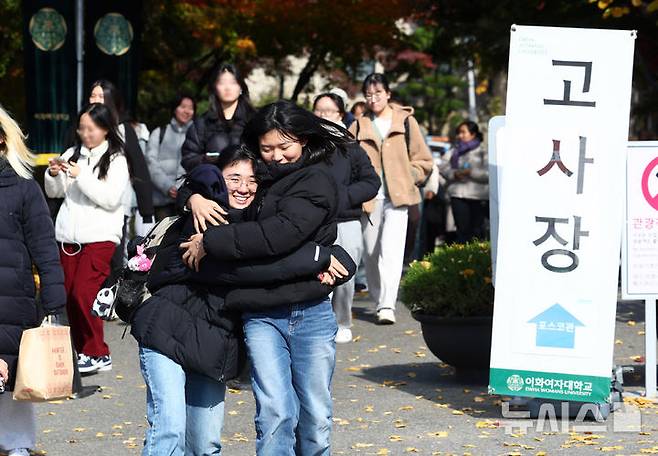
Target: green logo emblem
{"type": "Point", "coordinates": [113, 34]}
{"type": "Point", "coordinates": [515, 382]}
{"type": "Point", "coordinates": [48, 29]}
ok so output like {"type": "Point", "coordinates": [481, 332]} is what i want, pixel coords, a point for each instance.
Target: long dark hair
{"type": "Point", "coordinates": [338, 101]}
{"type": "Point", "coordinates": [112, 98]}
{"type": "Point", "coordinates": [102, 116]}
{"type": "Point", "coordinates": [472, 128]}
{"type": "Point", "coordinates": [322, 136]}
{"type": "Point", "coordinates": [244, 111]}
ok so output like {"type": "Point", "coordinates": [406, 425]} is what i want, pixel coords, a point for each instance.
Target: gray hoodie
{"type": "Point", "coordinates": [164, 160]}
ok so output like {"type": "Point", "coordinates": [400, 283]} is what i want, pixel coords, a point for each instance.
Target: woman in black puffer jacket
{"type": "Point", "coordinates": [27, 236]}
{"type": "Point", "coordinates": [290, 345]}
{"type": "Point", "coordinates": [222, 125]}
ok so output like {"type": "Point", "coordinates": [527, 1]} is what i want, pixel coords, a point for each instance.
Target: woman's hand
{"type": "Point", "coordinates": [326, 278]}
{"type": "Point", "coordinates": [54, 167]}
{"type": "Point", "coordinates": [205, 211]}
{"type": "Point", "coordinates": [336, 269]}
{"type": "Point", "coordinates": [462, 174]}
{"type": "Point", "coordinates": [72, 169]}
{"type": "Point", "coordinates": [173, 192]}
{"type": "Point", "coordinates": [4, 370]}
{"type": "Point", "coordinates": [194, 251]}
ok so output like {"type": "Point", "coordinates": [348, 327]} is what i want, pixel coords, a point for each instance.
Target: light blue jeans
{"type": "Point", "coordinates": [293, 356]}
{"type": "Point", "coordinates": [185, 410]}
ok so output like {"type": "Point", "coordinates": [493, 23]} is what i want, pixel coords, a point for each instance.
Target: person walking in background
{"type": "Point", "coordinates": [359, 109]}
{"type": "Point", "coordinates": [392, 138]}
{"type": "Point", "coordinates": [466, 170]}
{"type": "Point", "coordinates": [140, 186]}
{"type": "Point", "coordinates": [220, 127]}
{"type": "Point", "coordinates": [91, 177]}
{"type": "Point", "coordinates": [27, 237]}
{"type": "Point", "coordinates": [357, 183]}
{"type": "Point", "coordinates": [163, 156]}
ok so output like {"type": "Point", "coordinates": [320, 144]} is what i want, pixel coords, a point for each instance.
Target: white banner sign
{"type": "Point", "coordinates": [640, 246]}
{"type": "Point", "coordinates": [561, 161]}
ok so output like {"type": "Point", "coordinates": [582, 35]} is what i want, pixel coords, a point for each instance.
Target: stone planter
{"type": "Point", "coordinates": [464, 343]}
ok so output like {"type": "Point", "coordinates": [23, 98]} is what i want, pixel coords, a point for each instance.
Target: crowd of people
{"type": "Point", "coordinates": [277, 207]}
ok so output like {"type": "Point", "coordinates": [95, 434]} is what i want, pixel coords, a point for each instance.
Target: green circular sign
{"type": "Point", "coordinates": [48, 29]}
{"type": "Point", "coordinates": [113, 34]}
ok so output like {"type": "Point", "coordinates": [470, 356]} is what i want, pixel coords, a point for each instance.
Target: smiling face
{"type": "Point", "coordinates": [241, 183]}
{"type": "Point", "coordinates": [184, 111]}
{"type": "Point", "coordinates": [277, 148]}
{"type": "Point", "coordinates": [377, 98]}
{"type": "Point", "coordinates": [91, 134]}
{"type": "Point", "coordinates": [97, 95]}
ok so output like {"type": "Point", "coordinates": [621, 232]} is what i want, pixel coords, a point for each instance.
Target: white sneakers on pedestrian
{"type": "Point", "coordinates": [19, 452]}
{"type": "Point", "coordinates": [385, 316]}
{"type": "Point", "coordinates": [343, 336]}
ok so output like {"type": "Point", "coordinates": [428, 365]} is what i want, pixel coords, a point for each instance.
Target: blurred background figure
{"type": "Point", "coordinates": [390, 135]}
{"type": "Point", "coordinates": [220, 127]}
{"type": "Point", "coordinates": [163, 155]}
{"type": "Point", "coordinates": [466, 170]}
{"type": "Point", "coordinates": [357, 183]}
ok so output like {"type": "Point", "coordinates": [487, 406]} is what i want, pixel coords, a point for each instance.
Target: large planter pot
{"type": "Point", "coordinates": [464, 343]}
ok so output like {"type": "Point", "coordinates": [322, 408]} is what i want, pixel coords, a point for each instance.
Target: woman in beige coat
{"type": "Point", "coordinates": [392, 139]}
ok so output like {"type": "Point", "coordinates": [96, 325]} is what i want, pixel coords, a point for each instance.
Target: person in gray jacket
{"type": "Point", "coordinates": [466, 170]}
{"type": "Point", "coordinates": [163, 155]}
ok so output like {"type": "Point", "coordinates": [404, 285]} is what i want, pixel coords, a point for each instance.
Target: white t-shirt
{"type": "Point", "coordinates": [383, 126]}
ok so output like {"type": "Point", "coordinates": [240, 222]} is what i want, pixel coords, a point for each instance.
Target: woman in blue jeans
{"type": "Point", "coordinates": [291, 346]}
{"type": "Point", "coordinates": [189, 340]}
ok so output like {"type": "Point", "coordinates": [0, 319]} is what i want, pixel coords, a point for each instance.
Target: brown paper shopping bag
{"type": "Point", "coordinates": [45, 364]}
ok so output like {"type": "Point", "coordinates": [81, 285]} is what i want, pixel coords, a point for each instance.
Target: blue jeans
{"type": "Point", "coordinates": [185, 410]}
{"type": "Point", "coordinates": [293, 355]}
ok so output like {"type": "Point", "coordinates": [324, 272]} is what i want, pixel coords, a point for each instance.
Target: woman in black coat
{"type": "Point", "coordinates": [27, 237]}
{"type": "Point", "coordinates": [222, 125]}
{"type": "Point", "coordinates": [291, 346]}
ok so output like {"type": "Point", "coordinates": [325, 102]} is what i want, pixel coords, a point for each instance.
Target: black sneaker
{"type": "Point", "coordinates": [87, 364]}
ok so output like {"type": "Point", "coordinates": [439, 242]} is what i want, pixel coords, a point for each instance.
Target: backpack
{"type": "Point", "coordinates": [129, 291]}
{"type": "Point", "coordinates": [163, 130]}
{"type": "Point", "coordinates": [407, 141]}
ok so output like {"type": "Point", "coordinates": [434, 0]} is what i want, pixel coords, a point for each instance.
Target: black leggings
{"type": "Point", "coordinates": [469, 217]}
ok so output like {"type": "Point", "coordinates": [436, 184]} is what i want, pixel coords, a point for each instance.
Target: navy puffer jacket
{"type": "Point", "coordinates": [27, 236]}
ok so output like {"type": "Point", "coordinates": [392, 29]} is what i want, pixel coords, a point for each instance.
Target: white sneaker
{"type": "Point", "coordinates": [343, 336]}
{"type": "Point", "coordinates": [385, 316]}
{"type": "Point", "coordinates": [19, 452]}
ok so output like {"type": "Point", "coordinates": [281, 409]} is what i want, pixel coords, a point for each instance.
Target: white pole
{"type": "Point", "coordinates": [79, 52]}
{"type": "Point", "coordinates": [650, 346]}
{"type": "Point", "coordinates": [472, 110]}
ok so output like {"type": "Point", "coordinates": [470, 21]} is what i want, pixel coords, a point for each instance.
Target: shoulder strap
{"type": "Point", "coordinates": [406, 133]}
{"type": "Point", "coordinates": [163, 130]}
{"type": "Point", "coordinates": [358, 129]}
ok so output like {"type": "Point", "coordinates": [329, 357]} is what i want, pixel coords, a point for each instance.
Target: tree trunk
{"type": "Point", "coordinates": [314, 61]}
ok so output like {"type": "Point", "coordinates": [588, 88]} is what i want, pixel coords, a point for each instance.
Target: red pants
{"type": "Point", "coordinates": [84, 273]}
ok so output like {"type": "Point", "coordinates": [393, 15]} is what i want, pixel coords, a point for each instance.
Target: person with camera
{"type": "Point", "coordinates": [27, 238]}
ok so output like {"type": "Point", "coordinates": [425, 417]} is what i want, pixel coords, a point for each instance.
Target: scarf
{"type": "Point", "coordinates": [460, 149]}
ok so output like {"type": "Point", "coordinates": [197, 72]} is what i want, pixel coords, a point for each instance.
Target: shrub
{"type": "Point", "coordinates": [453, 281]}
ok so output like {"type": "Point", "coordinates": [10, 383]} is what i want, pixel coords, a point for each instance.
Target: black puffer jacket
{"type": "Point", "coordinates": [210, 134]}
{"type": "Point", "coordinates": [356, 179]}
{"type": "Point", "coordinates": [187, 318]}
{"type": "Point", "coordinates": [295, 204]}
{"type": "Point", "coordinates": [27, 236]}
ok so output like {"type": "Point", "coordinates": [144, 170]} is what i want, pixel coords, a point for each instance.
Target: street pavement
{"type": "Point", "coordinates": [391, 397]}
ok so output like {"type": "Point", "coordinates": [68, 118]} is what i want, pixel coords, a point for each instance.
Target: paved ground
{"type": "Point", "coordinates": [392, 397]}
